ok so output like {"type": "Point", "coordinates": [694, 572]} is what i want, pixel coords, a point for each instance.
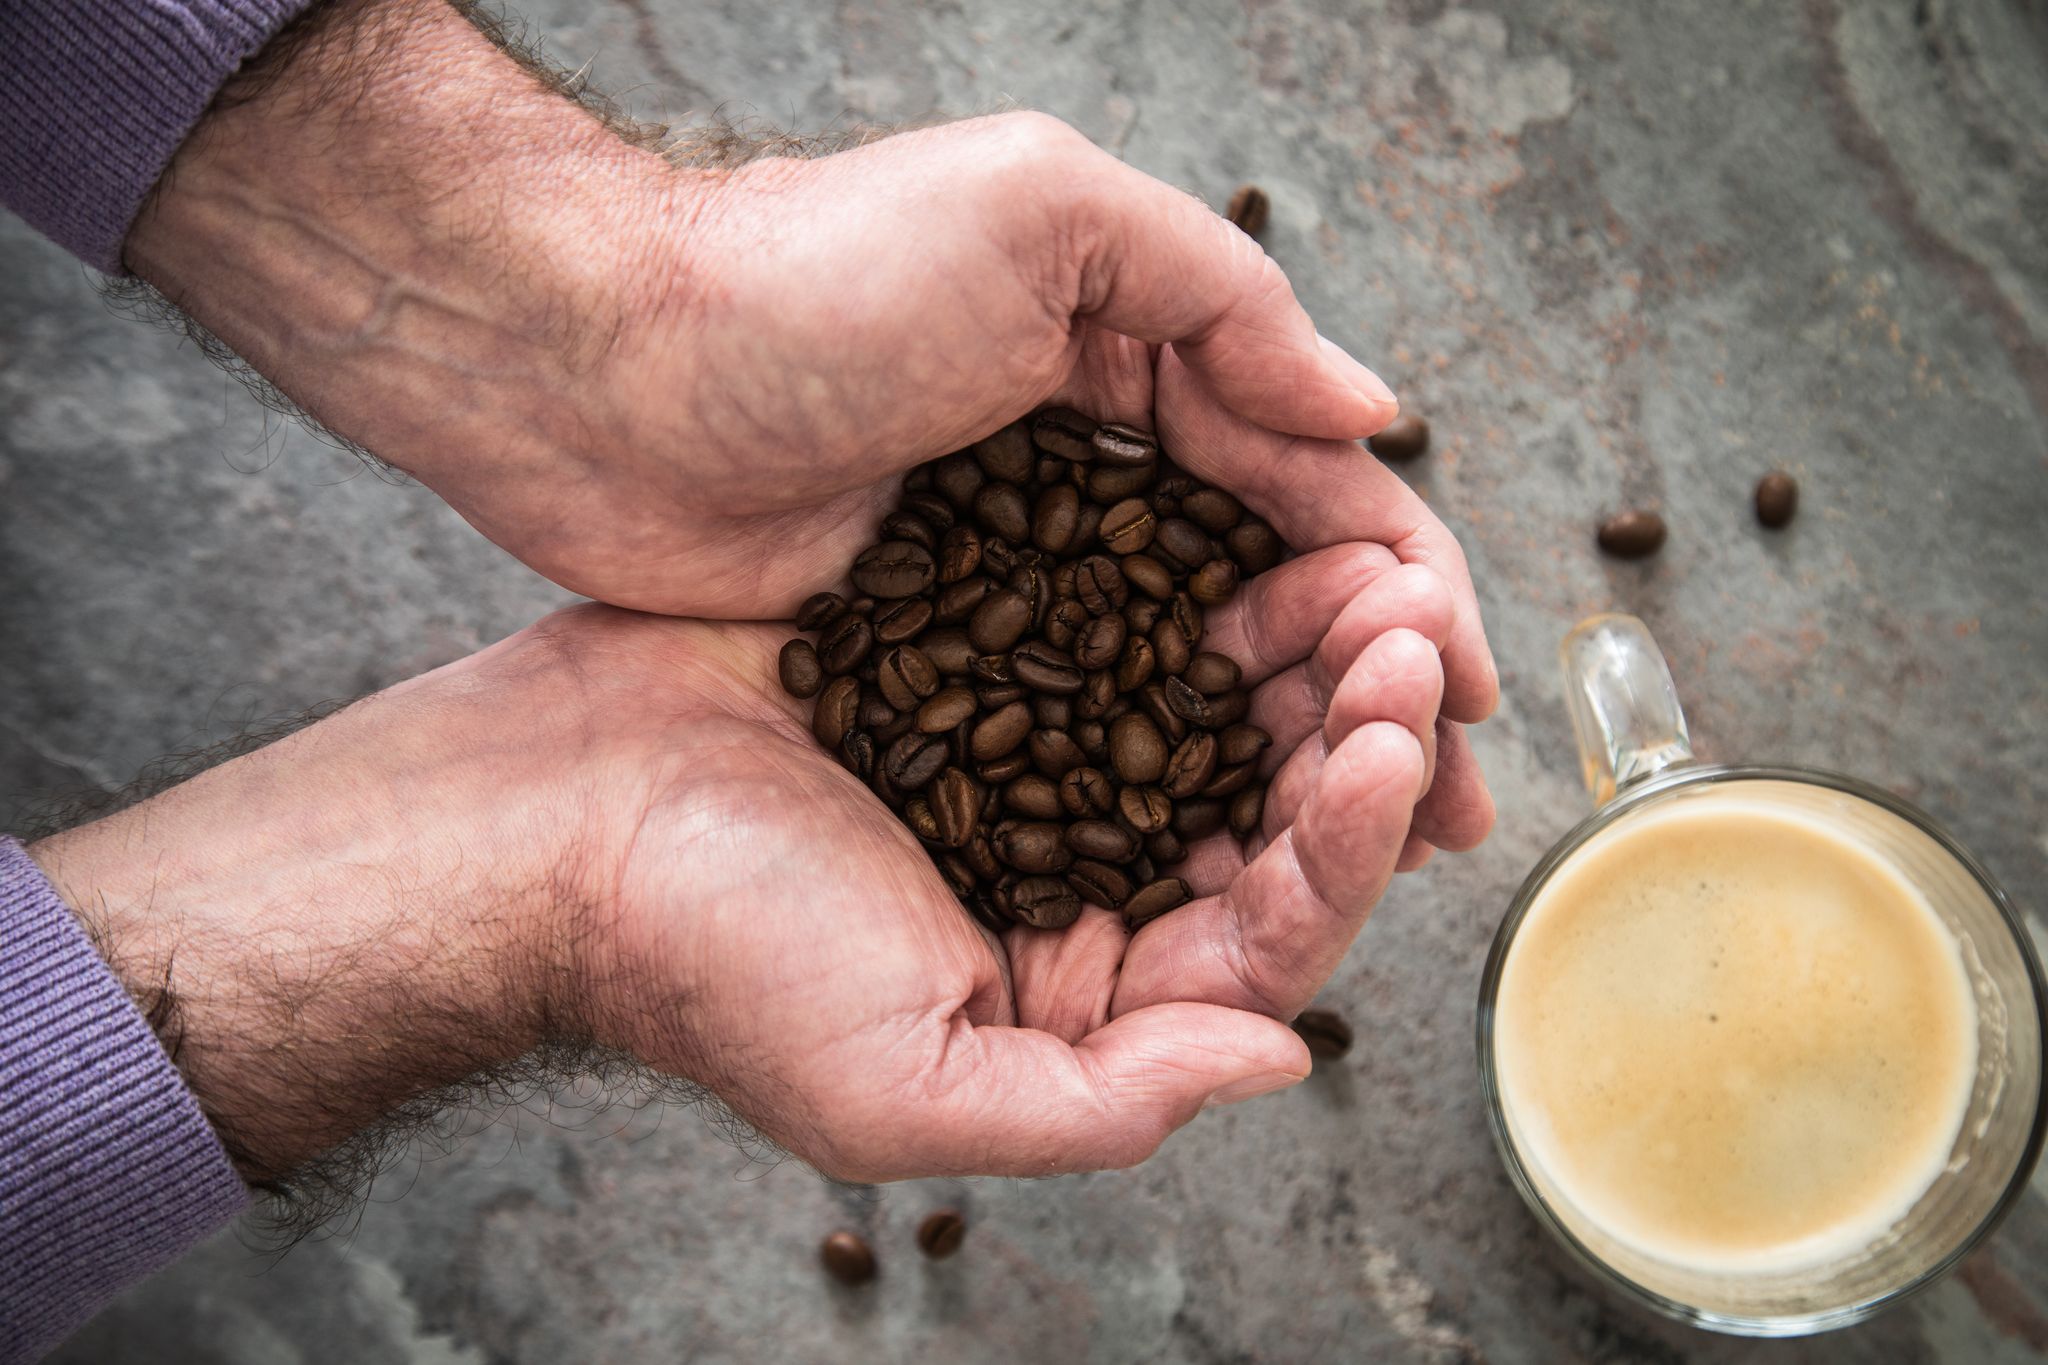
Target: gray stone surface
{"type": "Point", "coordinates": [1615, 252]}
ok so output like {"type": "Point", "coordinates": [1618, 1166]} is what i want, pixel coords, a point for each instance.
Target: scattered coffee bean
{"type": "Point", "coordinates": [1326, 1033]}
{"type": "Point", "coordinates": [848, 1258]}
{"type": "Point", "coordinates": [939, 1235]}
{"type": "Point", "coordinates": [1632, 534]}
{"type": "Point", "coordinates": [1777, 498]}
{"type": "Point", "coordinates": [1404, 438]}
{"type": "Point", "coordinates": [1022, 679]}
{"type": "Point", "coordinates": [1248, 209]}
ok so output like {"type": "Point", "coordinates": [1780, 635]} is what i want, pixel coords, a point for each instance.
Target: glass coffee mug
{"type": "Point", "coordinates": [1640, 767]}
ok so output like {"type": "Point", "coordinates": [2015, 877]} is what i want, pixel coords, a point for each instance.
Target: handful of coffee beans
{"type": "Point", "coordinates": [1021, 676]}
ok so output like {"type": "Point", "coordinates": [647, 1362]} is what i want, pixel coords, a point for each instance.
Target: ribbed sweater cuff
{"type": "Point", "coordinates": [108, 1170]}
{"type": "Point", "coordinates": [96, 96]}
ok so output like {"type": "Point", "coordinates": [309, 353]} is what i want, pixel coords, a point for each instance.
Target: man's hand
{"type": "Point", "coordinates": [617, 828]}
{"type": "Point", "coordinates": [693, 390]}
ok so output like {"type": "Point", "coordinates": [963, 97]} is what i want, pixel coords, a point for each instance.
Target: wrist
{"type": "Point", "coordinates": [422, 246]}
{"type": "Point", "coordinates": [334, 925]}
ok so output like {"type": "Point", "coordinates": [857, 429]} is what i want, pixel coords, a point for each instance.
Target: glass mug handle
{"type": "Point", "coordinates": [1624, 706]}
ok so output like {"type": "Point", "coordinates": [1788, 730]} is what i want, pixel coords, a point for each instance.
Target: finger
{"type": "Point", "coordinates": [1414, 854]}
{"type": "Point", "coordinates": [1318, 493]}
{"type": "Point", "coordinates": [1397, 679]}
{"type": "Point", "coordinates": [1458, 812]}
{"type": "Point", "coordinates": [1111, 379]}
{"type": "Point", "coordinates": [1301, 701]}
{"type": "Point", "coordinates": [1062, 978]}
{"type": "Point", "coordinates": [1212, 863]}
{"type": "Point", "coordinates": [1157, 264]}
{"type": "Point", "coordinates": [1271, 939]}
{"type": "Point", "coordinates": [1016, 1101]}
{"type": "Point", "coordinates": [1277, 618]}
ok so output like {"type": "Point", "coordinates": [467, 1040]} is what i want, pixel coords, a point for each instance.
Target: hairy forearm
{"type": "Point", "coordinates": [326, 928]}
{"type": "Point", "coordinates": [410, 235]}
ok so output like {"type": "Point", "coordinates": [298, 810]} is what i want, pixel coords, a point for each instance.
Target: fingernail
{"type": "Point", "coordinates": [1251, 1087]}
{"type": "Point", "coordinates": [1369, 385]}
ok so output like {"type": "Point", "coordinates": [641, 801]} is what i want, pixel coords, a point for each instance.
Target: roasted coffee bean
{"type": "Point", "coordinates": [1099, 585]}
{"type": "Point", "coordinates": [1141, 614]}
{"type": "Point", "coordinates": [998, 556]}
{"type": "Point", "coordinates": [999, 622]}
{"type": "Point", "coordinates": [1777, 498]}
{"type": "Point", "coordinates": [957, 478]}
{"type": "Point", "coordinates": [847, 1258]}
{"type": "Point", "coordinates": [946, 708]}
{"type": "Point", "coordinates": [917, 813]}
{"type": "Point", "coordinates": [995, 696]}
{"type": "Point", "coordinates": [1087, 523]}
{"type": "Point", "coordinates": [1032, 583]}
{"type": "Point", "coordinates": [997, 734]}
{"type": "Point", "coordinates": [1253, 545]}
{"type": "Point", "coordinates": [1045, 668]}
{"type": "Point", "coordinates": [1148, 576]}
{"type": "Point", "coordinates": [1214, 583]}
{"type": "Point", "coordinates": [988, 910]}
{"type": "Point", "coordinates": [1198, 818]}
{"type": "Point", "coordinates": [895, 568]}
{"type": "Point", "coordinates": [1085, 792]}
{"type": "Point", "coordinates": [1001, 510]}
{"type": "Point", "coordinates": [1404, 438]}
{"type": "Point", "coordinates": [1007, 455]}
{"type": "Point", "coordinates": [820, 610]}
{"type": "Point", "coordinates": [1228, 708]}
{"type": "Point", "coordinates": [1632, 535]}
{"type": "Point", "coordinates": [1136, 749]}
{"type": "Point", "coordinates": [1000, 770]}
{"type": "Point", "coordinates": [1186, 613]}
{"type": "Point", "coordinates": [857, 756]}
{"type": "Point", "coordinates": [894, 728]}
{"type": "Point", "coordinates": [1056, 518]}
{"type": "Point", "coordinates": [1180, 544]}
{"type": "Point", "coordinates": [1097, 695]}
{"type": "Point", "coordinates": [1171, 649]}
{"type": "Point", "coordinates": [1210, 673]}
{"type": "Point", "coordinates": [1065, 433]}
{"type": "Point", "coordinates": [936, 511]}
{"type": "Point", "coordinates": [1053, 713]}
{"type": "Point", "coordinates": [959, 876]}
{"type": "Point", "coordinates": [1108, 484]}
{"type": "Point", "coordinates": [1093, 739]}
{"type": "Point", "coordinates": [1152, 701]}
{"type": "Point", "coordinates": [799, 670]}
{"type": "Point", "coordinates": [1064, 622]}
{"type": "Point", "coordinates": [1191, 765]}
{"type": "Point", "coordinates": [959, 554]}
{"type": "Point", "coordinates": [1146, 809]}
{"type": "Point", "coordinates": [958, 601]}
{"type": "Point", "coordinates": [1134, 667]}
{"type": "Point", "coordinates": [902, 525]}
{"type": "Point", "coordinates": [992, 668]}
{"type": "Point", "coordinates": [1101, 643]}
{"type": "Point", "coordinates": [1033, 796]}
{"type": "Point", "coordinates": [1045, 902]}
{"type": "Point", "coordinates": [1241, 744]}
{"type": "Point", "coordinates": [1128, 527]}
{"type": "Point", "coordinates": [955, 801]}
{"type": "Point", "coordinates": [914, 760]}
{"type": "Point", "coordinates": [906, 677]}
{"type": "Point", "coordinates": [846, 644]}
{"type": "Point", "coordinates": [1164, 846]}
{"type": "Point", "coordinates": [1248, 209]}
{"type": "Point", "coordinates": [1099, 883]}
{"type": "Point", "coordinates": [1102, 840]}
{"type": "Point", "coordinates": [904, 619]}
{"type": "Point", "coordinates": [948, 649]}
{"type": "Point", "coordinates": [861, 606]}
{"type": "Point", "coordinates": [1031, 846]}
{"type": "Point", "coordinates": [1124, 447]}
{"type": "Point", "coordinates": [1190, 705]}
{"type": "Point", "coordinates": [1227, 781]}
{"type": "Point", "coordinates": [1212, 509]}
{"type": "Point", "coordinates": [1326, 1032]}
{"type": "Point", "coordinates": [1054, 753]}
{"type": "Point", "coordinates": [980, 855]}
{"type": "Point", "coordinates": [1247, 808]}
{"type": "Point", "coordinates": [837, 710]}
{"type": "Point", "coordinates": [1154, 899]}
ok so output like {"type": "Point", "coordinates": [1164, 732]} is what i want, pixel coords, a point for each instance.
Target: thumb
{"type": "Point", "coordinates": [1013, 1101]}
{"type": "Point", "coordinates": [1161, 266]}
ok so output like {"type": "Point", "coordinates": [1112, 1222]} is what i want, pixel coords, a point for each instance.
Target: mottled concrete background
{"type": "Point", "coordinates": [1612, 256]}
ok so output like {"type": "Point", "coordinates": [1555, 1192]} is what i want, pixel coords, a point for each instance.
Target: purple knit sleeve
{"type": "Point", "coordinates": [96, 95]}
{"type": "Point", "coordinates": [108, 1170]}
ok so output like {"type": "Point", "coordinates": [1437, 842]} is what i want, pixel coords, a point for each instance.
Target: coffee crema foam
{"type": "Point", "coordinates": [1733, 1038]}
